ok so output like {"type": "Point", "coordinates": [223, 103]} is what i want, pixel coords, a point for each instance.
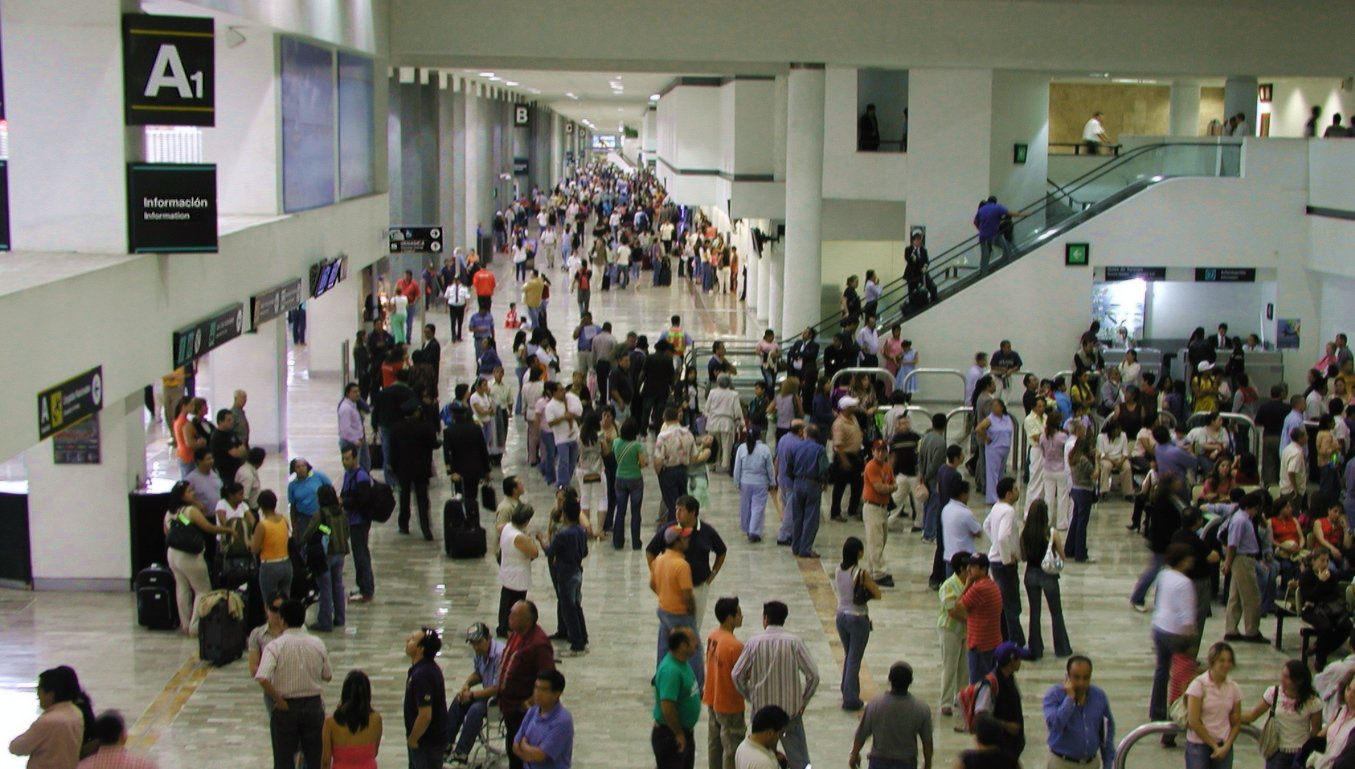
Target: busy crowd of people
{"type": "Point", "coordinates": [603, 413]}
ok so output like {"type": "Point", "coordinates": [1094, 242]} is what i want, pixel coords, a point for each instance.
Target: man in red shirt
{"type": "Point", "coordinates": [527, 654]}
{"type": "Point", "coordinates": [876, 491]}
{"type": "Point", "coordinates": [409, 288]}
{"type": "Point", "coordinates": [483, 283]}
{"type": "Point", "coordinates": [980, 606]}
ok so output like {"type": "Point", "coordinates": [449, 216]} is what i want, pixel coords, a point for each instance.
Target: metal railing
{"type": "Point", "coordinates": [1253, 432]}
{"type": "Point", "coordinates": [877, 373]}
{"type": "Point", "coordinates": [1081, 148]}
{"type": "Point", "coordinates": [915, 373]}
{"type": "Point", "coordinates": [1164, 728]}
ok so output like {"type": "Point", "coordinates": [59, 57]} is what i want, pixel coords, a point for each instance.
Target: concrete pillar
{"type": "Point", "coordinates": [763, 285]}
{"type": "Point", "coordinates": [92, 499]}
{"type": "Point", "coordinates": [1239, 95]}
{"type": "Point", "coordinates": [776, 289]}
{"type": "Point", "coordinates": [334, 319]}
{"type": "Point", "coordinates": [1185, 108]}
{"type": "Point", "coordinates": [256, 363]}
{"type": "Point", "coordinates": [804, 196]}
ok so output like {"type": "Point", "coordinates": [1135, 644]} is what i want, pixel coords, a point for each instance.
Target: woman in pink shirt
{"type": "Point", "coordinates": [56, 737]}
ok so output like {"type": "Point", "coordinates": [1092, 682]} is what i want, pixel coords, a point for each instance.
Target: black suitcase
{"type": "Point", "coordinates": [488, 501]}
{"type": "Point", "coordinates": [221, 637]}
{"type": "Point", "coordinates": [462, 536]}
{"type": "Point", "coordinates": [378, 456]}
{"type": "Point", "coordinates": [155, 606]}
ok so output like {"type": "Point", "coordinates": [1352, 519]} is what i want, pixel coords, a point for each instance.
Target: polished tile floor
{"type": "Point", "coordinates": [189, 715]}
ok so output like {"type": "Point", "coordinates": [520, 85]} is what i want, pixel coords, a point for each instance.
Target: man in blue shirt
{"type": "Point", "coordinates": [566, 553]}
{"type": "Point", "coordinates": [1291, 420]}
{"type": "Point", "coordinates": [466, 714]}
{"type": "Point", "coordinates": [301, 493]}
{"type": "Point", "coordinates": [585, 332]}
{"type": "Point", "coordinates": [988, 220]}
{"type": "Point", "coordinates": [481, 325]}
{"type": "Point", "coordinates": [1078, 717]}
{"type": "Point", "coordinates": [356, 496]}
{"type": "Point", "coordinates": [784, 448]}
{"type": "Point", "coordinates": [1244, 593]}
{"type": "Point", "coordinates": [1170, 457]}
{"type": "Point", "coordinates": [546, 738]}
{"type": "Point", "coordinates": [807, 463]}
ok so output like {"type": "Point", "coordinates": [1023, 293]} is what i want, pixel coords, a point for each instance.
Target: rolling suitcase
{"type": "Point", "coordinates": [155, 606]}
{"type": "Point", "coordinates": [488, 501]}
{"type": "Point", "coordinates": [221, 630]}
{"type": "Point", "coordinates": [462, 536]}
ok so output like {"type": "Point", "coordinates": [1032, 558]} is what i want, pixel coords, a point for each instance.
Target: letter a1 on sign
{"type": "Point", "coordinates": [169, 68]}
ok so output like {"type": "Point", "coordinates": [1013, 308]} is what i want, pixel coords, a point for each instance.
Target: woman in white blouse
{"type": "Point", "coordinates": [1339, 729]}
{"type": "Point", "coordinates": [1130, 370]}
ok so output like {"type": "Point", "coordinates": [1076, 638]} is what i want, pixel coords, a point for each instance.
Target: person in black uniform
{"type": "Point", "coordinates": [467, 457]}
{"type": "Point", "coordinates": [410, 455]}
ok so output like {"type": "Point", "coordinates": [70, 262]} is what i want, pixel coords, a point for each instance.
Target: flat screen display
{"type": "Point", "coordinates": [356, 156]}
{"type": "Point", "coordinates": [308, 131]}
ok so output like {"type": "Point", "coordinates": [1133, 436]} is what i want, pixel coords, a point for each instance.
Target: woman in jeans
{"type": "Point", "coordinates": [1081, 469]}
{"type": "Point", "coordinates": [270, 545]}
{"type": "Point", "coordinates": [1054, 470]}
{"type": "Point", "coordinates": [1214, 713]}
{"type": "Point", "coordinates": [1036, 538]}
{"type": "Point", "coordinates": [1296, 708]}
{"type": "Point", "coordinates": [333, 597]}
{"type": "Point", "coordinates": [630, 456]}
{"type": "Point", "coordinates": [853, 620]}
{"type": "Point", "coordinates": [191, 581]}
{"type": "Point", "coordinates": [608, 432]}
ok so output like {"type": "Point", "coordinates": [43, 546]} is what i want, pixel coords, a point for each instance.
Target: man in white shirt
{"type": "Point", "coordinates": [958, 524]}
{"type": "Point", "coordinates": [457, 294]}
{"type": "Point", "coordinates": [868, 339]}
{"type": "Point", "coordinates": [562, 416]}
{"type": "Point", "coordinates": [666, 235]}
{"type": "Point", "coordinates": [973, 374]}
{"type": "Point", "coordinates": [1294, 463]}
{"type": "Point", "coordinates": [1003, 527]}
{"type": "Point", "coordinates": [758, 749]}
{"type": "Point", "coordinates": [1094, 135]}
{"type": "Point", "coordinates": [292, 671]}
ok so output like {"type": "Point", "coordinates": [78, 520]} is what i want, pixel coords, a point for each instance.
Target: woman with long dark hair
{"type": "Point", "coordinates": [1036, 538]}
{"type": "Point", "coordinates": [853, 620]}
{"type": "Point", "coordinates": [589, 474]}
{"type": "Point", "coordinates": [352, 736]}
{"type": "Point", "coordinates": [185, 524]}
{"type": "Point", "coordinates": [1296, 708]}
{"type": "Point", "coordinates": [57, 737]}
{"type": "Point", "coordinates": [629, 450]}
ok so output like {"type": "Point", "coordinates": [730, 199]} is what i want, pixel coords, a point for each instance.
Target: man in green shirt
{"type": "Point", "coordinates": [677, 704]}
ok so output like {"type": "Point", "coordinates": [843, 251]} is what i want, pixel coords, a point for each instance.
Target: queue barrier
{"type": "Point", "coordinates": [915, 373]}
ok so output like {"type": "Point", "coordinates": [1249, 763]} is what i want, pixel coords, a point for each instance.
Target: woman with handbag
{"type": "Point", "coordinates": [1214, 712]}
{"type": "Point", "coordinates": [589, 474]}
{"type": "Point", "coordinates": [1042, 550]}
{"type": "Point", "coordinates": [185, 523]}
{"type": "Point", "coordinates": [1293, 715]}
{"type": "Point", "coordinates": [855, 588]}
{"type": "Point", "coordinates": [1323, 605]}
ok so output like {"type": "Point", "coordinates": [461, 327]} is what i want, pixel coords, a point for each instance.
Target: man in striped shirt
{"type": "Point", "coordinates": [776, 669]}
{"type": "Point", "coordinates": [294, 668]}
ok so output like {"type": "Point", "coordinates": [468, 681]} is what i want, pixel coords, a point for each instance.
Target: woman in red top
{"type": "Point", "coordinates": [1288, 538]}
{"type": "Point", "coordinates": [1219, 485]}
{"type": "Point", "coordinates": [1245, 471]}
{"type": "Point", "coordinates": [1329, 533]}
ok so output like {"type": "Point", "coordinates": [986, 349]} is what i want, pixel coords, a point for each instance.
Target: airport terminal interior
{"type": "Point", "coordinates": [258, 208]}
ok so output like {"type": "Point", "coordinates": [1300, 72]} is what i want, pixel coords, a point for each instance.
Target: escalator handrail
{"type": "Point", "coordinates": [1165, 728]}
{"type": "Point", "coordinates": [942, 262]}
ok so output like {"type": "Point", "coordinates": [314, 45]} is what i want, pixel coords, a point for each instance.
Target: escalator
{"type": "Point", "coordinates": [1062, 208]}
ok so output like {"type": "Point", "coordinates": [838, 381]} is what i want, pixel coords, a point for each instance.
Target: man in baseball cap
{"type": "Point", "coordinates": [1003, 699]}
{"type": "Point", "coordinates": [466, 713]}
{"type": "Point", "coordinates": [877, 488]}
{"type": "Point", "coordinates": [848, 463]}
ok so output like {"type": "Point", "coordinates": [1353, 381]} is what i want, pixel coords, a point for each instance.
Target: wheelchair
{"type": "Point", "coordinates": [488, 751]}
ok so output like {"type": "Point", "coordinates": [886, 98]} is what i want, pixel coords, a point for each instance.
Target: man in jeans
{"type": "Point", "coordinates": [292, 671]}
{"type": "Point", "coordinates": [563, 413]}
{"type": "Point", "coordinates": [566, 553]}
{"type": "Point", "coordinates": [988, 221]}
{"type": "Point", "coordinates": [1003, 528]}
{"type": "Point", "coordinates": [357, 501]}
{"type": "Point", "coordinates": [673, 450]}
{"type": "Point", "coordinates": [466, 714]}
{"type": "Point", "coordinates": [670, 577]}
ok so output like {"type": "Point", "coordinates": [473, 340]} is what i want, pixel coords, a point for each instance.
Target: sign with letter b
{"type": "Point", "coordinates": [522, 115]}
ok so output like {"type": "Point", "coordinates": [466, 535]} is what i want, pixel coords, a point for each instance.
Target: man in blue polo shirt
{"type": "Point", "coordinates": [1077, 714]}
{"type": "Point", "coordinates": [988, 220]}
{"type": "Point", "coordinates": [808, 462]}
{"type": "Point", "coordinates": [425, 701]}
{"type": "Point", "coordinates": [546, 738]}
{"type": "Point", "coordinates": [784, 447]}
{"type": "Point", "coordinates": [301, 493]}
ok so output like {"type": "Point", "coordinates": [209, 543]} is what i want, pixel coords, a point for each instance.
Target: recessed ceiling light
{"type": "Point", "coordinates": [572, 96]}
{"type": "Point", "coordinates": [510, 82]}
{"type": "Point", "coordinates": [653, 97]}
{"type": "Point", "coordinates": [534, 90]}
{"type": "Point", "coordinates": [494, 78]}
{"type": "Point", "coordinates": [486, 74]}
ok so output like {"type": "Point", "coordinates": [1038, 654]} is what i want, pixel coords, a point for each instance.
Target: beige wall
{"type": "Point", "coordinates": [1211, 108]}
{"type": "Point", "coordinates": [1129, 109]}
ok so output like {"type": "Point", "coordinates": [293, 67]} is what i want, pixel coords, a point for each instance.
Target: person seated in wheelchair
{"type": "Point", "coordinates": [469, 708]}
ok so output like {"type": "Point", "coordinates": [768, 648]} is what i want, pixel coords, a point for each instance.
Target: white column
{"type": "Point", "coordinates": [763, 286]}
{"type": "Point", "coordinates": [334, 319]}
{"type": "Point", "coordinates": [256, 363]}
{"type": "Point", "coordinates": [804, 198]}
{"type": "Point", "coordinates": [77, 514]}
{"type": "Point", "coordinates": [1185, 108]}
{"type": "Point", "coordinates": [776, 284]}
{"type": "Point", "coordinates": [1239, 95]}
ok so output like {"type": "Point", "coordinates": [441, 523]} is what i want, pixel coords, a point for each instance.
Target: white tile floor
{"type": "Point", "coordinates": [202, 717]}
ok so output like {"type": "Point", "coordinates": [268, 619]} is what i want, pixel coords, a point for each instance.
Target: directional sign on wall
{"type": "Point", "coordinates": [70, 402]}
{"type": "Point", "coordinates": [522, 115]}
{"type": "Point", "coordinates": [208, 334]}
{"type": "Point", "coordinates": [415, 240]}
{"type": "Point", "coordinates": [1225, 274]}
{"type": "Point", "coordinates": [171, 207]}
{"type": "Point", "coordinates": [168, 69]}
{"type": "Point", "coordinates": [274, 302]}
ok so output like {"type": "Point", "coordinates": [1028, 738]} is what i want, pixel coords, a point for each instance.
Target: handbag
{"type": "Point", "coordinates": [860, 595]}
{"type": "Point", "coordinates": [183, 535]}
{"type": "Point", "coordinates": [1269, 739]}
{"type": "Point", "coordinates": [1179, 711]}
{"type": "Point", "coordinates": [1051, 564]}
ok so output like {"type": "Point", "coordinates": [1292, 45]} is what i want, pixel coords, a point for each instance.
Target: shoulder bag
{"type": "Point", "coordinates": [860, 594]}
{"type": "Point", "coordinates": [1269, 739]}
{"type": "Point", "coordinates": [183, 535]}
{"type": "Point", "coordinates": [1051, 564]}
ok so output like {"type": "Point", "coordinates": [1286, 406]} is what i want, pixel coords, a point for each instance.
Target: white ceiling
{"type": "Point", "coordinates": [582, 95]}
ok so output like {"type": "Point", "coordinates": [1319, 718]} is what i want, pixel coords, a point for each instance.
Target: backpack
{"type": "Point", "coordinates": [382, 502]}
{"type": "Point", "coordinates": [969, 697]}
{"type": "Point", "coordinates": [315, 550]}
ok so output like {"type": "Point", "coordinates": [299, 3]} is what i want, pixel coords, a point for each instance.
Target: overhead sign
{"type": "Point", "coordinates": [522, 115]}
{"type": "Point", "coordinates": [415, 240]}
{"type": "Point", "coordinates": [70, 402]}
{"type": "Point", "coordinates": [168, 70]}
{"type": "Point", "coordinates": [208, 334]}
{"type": "Point", "coordinates": [1132, 273]}
{"type": "Point", "coordinates": [326, 274]}
{"type": "Point", "coordinates": [1225, 275]}
{"type": "Point", "coordinates": [274, 302]}
{"type": "Point", "coordinates": [569, 128]}
{"type": "Point", "coordinates": [520, 166]}
{"type": "Point", "coordinates": [171, 207]}
{"type": "Point", "coordinates": [78, 444]}
{"type": "Point", "coordinates": [1077, 254]}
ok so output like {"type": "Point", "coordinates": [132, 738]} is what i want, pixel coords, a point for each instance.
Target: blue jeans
{"type": "Point", "coordinates": [299, 727]}
{"type": "Point", "coordinates": [1146, 579]}
{"type": "Point", "coordinates": [787, 489]}
{"type": "Point", "coordinates": [466, 721]}
{"type": "Point", "coordinates": [566, 457]}
{"type": "Point", "coordinates": [1164, 646]}
{"type": "Point", "coordinates": [333, 599]}
{"type": "Point", "coordinates": [854, 632]}
{"type": "Point", "coordinates": [794, 743]}
{"type": "Point", "coordinates": [425, 757]}
{"type": "Point", "coordinates": [672, 484]}
{"type": "Point", "coordinates": [805, 526]}
{"type": "Point", "coordinates": [548, 460]}
{"type": "Point", "coordinates": [1266, 573]}
{"type": "Point", "coordinates": [669, 622]}
{"type": "Point", "coordinates": [1008, 581]}
{"type": "Point", "coordinates": [632, 491]}
{"type": "Point", "coordinates": [1197, 757]}
{"type": "Point", "coordinates": [1077, 527]}
{"type": "Point", "coordinates": [275, 577]}
{"type": "Point", "coordinates": [980, 664]}
{"type": "Point", "coordinates": [931, 512]}
{"type": "Point", "coordinates": [358, 535]}
{"type": "Point", "coordinates": [569, 587]}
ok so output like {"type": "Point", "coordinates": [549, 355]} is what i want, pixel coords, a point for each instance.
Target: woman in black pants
{"type": "Point", "coordinates": [1323, 605]}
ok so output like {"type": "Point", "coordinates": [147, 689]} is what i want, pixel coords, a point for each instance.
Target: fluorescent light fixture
{"type": "Point", "coordinates": [534, 90]}
{"type": "Point", "coordinates": [510, 82]}
{"type": "Point", "coordinates": [486, 74]}
{"type": "Point", "coordinates": [1158, 178]}
{"type": "Point", "coordinates": [653, 97]}
{"type": "Point", "coordinates": [494, 78]}
{"type": "Point", "coordinates": [572, 96]}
